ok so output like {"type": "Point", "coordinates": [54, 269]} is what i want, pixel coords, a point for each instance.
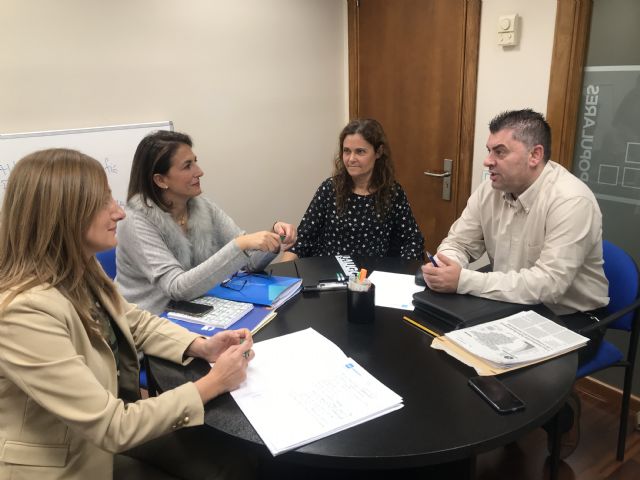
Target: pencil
{"type": "Point", "coordinates": [421, 327]}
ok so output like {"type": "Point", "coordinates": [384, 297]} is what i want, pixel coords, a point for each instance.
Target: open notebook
{"type": "Point", "coordinates": [301, 387]}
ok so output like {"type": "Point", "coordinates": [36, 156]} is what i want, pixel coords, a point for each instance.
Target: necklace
{"type": "Point", "coordinates": [182, 221]}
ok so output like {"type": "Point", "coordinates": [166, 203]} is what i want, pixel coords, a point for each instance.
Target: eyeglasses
{"type": "Point", "coordinates": [238, 280]}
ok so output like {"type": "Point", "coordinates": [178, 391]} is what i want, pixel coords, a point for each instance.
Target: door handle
{"type": "Point", "coordinates": [445, 176]}
{"type": "Point", "coordinates": [440, 175]}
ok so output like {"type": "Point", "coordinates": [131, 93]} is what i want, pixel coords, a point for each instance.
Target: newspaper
{"type": "Point", "coordinates": [521, 338]}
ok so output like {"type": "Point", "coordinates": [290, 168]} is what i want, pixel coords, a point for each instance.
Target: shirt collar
{"type": "Point", "coordinates": [527, 198]}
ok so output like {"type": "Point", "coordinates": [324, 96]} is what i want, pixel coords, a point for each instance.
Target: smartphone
{"type": "Point", "coordinates": [189, 308]}
{"type": "Point", "coordinates": [496, 393]}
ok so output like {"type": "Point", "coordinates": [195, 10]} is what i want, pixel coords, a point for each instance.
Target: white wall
{"type": "Point", "coordinates": [512, 77]}
{"type": "Point", "coordinates": [261, 86]}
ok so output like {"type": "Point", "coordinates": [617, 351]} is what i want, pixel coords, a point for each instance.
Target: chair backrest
{"type": "Point", "coordinates": [108, 261]}
{"type": "Point", "coordinates": [622, 272]}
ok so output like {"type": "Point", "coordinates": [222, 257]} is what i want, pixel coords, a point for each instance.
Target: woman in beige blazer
{"type": "Point", "coordinates": [69, 392]}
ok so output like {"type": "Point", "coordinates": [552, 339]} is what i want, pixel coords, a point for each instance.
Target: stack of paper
{"type": "Point", "coordinates": [301, 387]}
{"type": "Point", "coordinates": [511, 342]}
{"type": "Point", "coordinates": [394, 290]}
{"type": "Point", "coordinates": [253, 321]}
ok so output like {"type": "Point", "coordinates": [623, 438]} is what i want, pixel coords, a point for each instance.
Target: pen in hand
{"type": "Point", "coordinates": [431, 259]}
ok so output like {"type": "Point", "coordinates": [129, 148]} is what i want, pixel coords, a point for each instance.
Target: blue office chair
{"type": "Point", "coordinates": [108, 261]}
{"type": "Point", "coordinates": [624, 314]}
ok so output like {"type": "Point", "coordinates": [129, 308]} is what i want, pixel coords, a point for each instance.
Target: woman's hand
{"type": "Point", "coordinates": [286, 257]}
{"type": "Point", "coordinates": [211, 348]}
{"type": "Point", "coordinates": [265, 241]}
{"type": "Point", "coordinates": [229, 370]}
{"type": "Point", "coordinates": [287, 231]}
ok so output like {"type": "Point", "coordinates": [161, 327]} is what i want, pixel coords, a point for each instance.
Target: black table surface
{"type": "Point", "coordinates": [442, 420]}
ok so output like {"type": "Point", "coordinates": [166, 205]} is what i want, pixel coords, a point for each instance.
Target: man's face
{"type": "Point", "coordinates": [512, 167]}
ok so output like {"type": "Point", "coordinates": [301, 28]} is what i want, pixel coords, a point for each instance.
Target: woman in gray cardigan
{"type": "Point", "coordinates": [174, 244]}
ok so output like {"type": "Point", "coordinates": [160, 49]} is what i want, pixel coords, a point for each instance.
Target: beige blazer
{"type": "Point", "coordinates": [60, 415]}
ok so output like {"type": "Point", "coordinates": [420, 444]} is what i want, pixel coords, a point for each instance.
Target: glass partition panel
{"type": "Point", "coordinates": [607, 153]}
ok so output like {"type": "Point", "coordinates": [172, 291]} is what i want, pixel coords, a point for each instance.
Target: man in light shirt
{"type": "Point", "coordinates": [540, 226]}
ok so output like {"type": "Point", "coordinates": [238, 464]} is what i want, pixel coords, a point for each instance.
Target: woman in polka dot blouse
{"type": "Point", "coordinates": [361, 209]}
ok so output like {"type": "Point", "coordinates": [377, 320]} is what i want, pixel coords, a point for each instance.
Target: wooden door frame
{"type": "Point", "coordinates": [573, 20]}
{"type": "Point", "coordinates": [462, 189]}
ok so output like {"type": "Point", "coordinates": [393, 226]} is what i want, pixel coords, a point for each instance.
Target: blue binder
{"type": "Point", "coordinates": [259, 289]}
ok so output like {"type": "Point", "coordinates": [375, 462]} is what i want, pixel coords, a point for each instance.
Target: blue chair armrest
{"type": "Point", "coordinates": [606, 356]}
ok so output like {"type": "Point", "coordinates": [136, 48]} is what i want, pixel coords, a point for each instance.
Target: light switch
{"type": "Point", "coordinates": [508, 30]}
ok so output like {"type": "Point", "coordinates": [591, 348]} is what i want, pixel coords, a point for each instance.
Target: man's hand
{"type": "Point", "coordinates": [443, 278]}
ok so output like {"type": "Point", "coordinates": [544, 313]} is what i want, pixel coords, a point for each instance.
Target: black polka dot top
{"type": "Point", "coordinates": [360, 230]}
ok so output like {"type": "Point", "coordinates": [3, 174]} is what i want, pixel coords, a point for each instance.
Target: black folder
{"type": "Point", "coordinates": [461, 311]}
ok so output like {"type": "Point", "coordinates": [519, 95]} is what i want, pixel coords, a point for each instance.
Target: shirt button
{"type": "Point", "coordinates": [186, 419]}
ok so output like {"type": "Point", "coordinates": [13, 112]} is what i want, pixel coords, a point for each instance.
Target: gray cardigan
{"type": "Point", "coordinates": [157, 262]}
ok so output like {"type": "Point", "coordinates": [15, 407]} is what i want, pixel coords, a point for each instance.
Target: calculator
{"type": "Point", "coordinates": [224, 314]}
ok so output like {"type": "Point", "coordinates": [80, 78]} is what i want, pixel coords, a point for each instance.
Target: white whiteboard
{"type": "Point", "coordinates": [112, 146]}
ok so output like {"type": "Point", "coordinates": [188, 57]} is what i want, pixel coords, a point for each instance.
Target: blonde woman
{"type": "Point", "coordinates": [68, 340]}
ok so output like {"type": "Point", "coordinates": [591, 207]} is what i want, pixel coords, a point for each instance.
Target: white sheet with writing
{"type": "Point", "coordinates": [520, 338]}
{"type": "Point", "coordinates": [301, 387]}
{"type": "Point", "coordinates": [394, 290]}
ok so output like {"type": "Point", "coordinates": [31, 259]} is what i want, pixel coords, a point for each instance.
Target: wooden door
{"type": "Point", "coordinates": [412, 66]}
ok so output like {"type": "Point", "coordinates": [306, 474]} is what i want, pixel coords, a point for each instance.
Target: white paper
{"type": "Point", "coordinates": [394, 290]}
{"type": "Point", "coordinates": [520, 338]}
{"type": "Point", "coordinates": [301, 387]}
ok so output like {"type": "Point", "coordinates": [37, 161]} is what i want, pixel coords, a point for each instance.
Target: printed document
{"type": "Point", "coordinates": [301, 387]}
{"type": "Point", "coordinates": [521, 338]}
{"type": "Point", "coordinates": [394, 290]}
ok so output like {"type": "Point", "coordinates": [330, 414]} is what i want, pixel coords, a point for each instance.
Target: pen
{"type": "Point", "coordinates": [326, 286]}
{"type": "Point", "coordinates": [331, 285]}
{"type": "Point", "coordinates": [244, 354]}
{"type": "Point", "coordinates": [431, 259]}
{"type": "Point", "coordinates": [421, 327]}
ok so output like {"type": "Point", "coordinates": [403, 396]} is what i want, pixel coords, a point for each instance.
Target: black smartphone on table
{"type": "Point", "coordinates": [189, 308]}
{"type": "Point", "coordinates": [496, 393]}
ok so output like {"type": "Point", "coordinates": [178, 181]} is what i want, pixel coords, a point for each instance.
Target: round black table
{"type": "Point", "coordinates": [443, 419]}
